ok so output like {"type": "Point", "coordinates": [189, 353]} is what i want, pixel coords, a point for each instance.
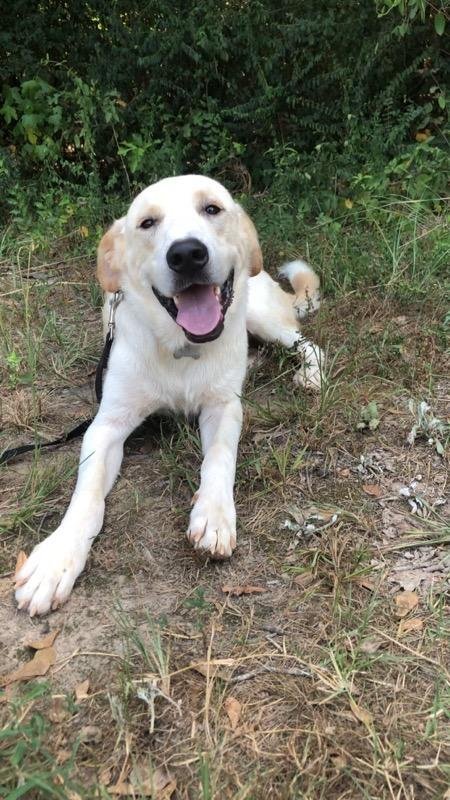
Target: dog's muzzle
{"type": "Point", "coordinates": [200, 309]}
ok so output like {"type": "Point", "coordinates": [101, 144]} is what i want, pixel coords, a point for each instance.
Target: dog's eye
{"type": "Point", "coordinates": [212, 210]}
{"type": "Point", "coordinates": [147, 223]}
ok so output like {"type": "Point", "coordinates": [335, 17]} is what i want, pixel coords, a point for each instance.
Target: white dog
{"type": "Point", "coordinates": [182, 257]}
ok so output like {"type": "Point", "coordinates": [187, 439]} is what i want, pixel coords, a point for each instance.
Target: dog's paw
{"type": "Point", "coordinates": [212, 527]}
{"type": "Point", "coordinates": [310, 377]}
{"type": "Point", "coordinates": [311, 374]}
{"type": "Point", "coordinates": [46, 579]}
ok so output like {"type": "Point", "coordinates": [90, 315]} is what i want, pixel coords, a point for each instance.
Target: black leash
{"type": "Point", "coordinates": [82, 427]}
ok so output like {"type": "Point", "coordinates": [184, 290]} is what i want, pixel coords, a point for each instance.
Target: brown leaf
{"type": "Point", "coordinates": [304, 580]}
{"type": "Point", "coordinates": [233, 709]}
{"type": "Point", "coordinates": [46, 641]}
{"type": "Point", "coordinates": [360, 713]}
{"type": "Point", "coordinates": [422, 136]}
{"type": "Point", "coordinates": [408, 625]}
{"type": "Point", "coordinates": [120, 788]}
{"type": "Point", "coordinates": [236, 591]}
{"type": "Point", "coordinates": [62, 756]}
{"type": "Point", "coordinates": [58, 711]}
{"type": "Point", "coordinates": [91, 733]}
{"type": "Point", "coordinates": [371, 644]}
{"type": "Point", "coordinates": [405, 602]}
{"type": "Point", "coordinates": [212, 668]}
{"type": "Point", "coordinates": [82, 690]}
{"type": "Point", "coordinates": [145, 782]}
{"type": "Point", "coordinates": [104, 778]}
{"type": "Point", "coordinates": [339, 761]}
{"type": "Point", "coordinates": [372, 489]}
{"type": "Point", "coordinates": [38, 666]}
{"type": "Point", "coordinates": [21, 558]}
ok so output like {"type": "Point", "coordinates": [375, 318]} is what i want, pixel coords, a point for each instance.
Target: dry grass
{"type": "Point", "coordinates": [313, 688]}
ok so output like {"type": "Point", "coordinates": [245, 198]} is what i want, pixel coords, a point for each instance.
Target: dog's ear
{"type": "Point", "coordinates": [252, 245]}
{"type": "Point", "coordinates": [111, 256]}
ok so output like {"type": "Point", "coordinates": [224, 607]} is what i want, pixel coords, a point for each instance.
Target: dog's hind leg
{"type": "Point", "coordinates": [273, 316]}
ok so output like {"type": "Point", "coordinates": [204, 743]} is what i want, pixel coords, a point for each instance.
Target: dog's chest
{"type": "Point", "coordinates": [196, 376]}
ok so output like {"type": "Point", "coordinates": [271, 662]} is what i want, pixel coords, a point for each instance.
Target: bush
{"type": "Point", "coordinates": [316, 100]}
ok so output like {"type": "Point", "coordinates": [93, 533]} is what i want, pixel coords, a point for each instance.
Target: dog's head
{"type": "Point", "coordinates": [187, 242]}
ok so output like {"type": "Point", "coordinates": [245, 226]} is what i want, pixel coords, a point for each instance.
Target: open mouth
{"type": "Point", "coordinates": [200, 309]}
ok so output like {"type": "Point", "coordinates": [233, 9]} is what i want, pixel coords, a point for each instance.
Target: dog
{"type": "Point", "coordinates": [187, 259]}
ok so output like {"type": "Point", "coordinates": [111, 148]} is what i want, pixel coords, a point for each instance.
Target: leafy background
{"type": "Point", "coordinates": [318, 104]}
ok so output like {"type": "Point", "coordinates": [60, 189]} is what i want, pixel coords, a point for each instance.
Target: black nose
{"type": "Point", "coordinates": [187, 255]}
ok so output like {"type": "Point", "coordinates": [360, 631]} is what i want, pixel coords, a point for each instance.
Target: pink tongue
{"type": "Point", "coordinates": [199, 310]}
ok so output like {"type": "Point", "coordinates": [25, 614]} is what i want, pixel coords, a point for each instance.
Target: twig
{"type": "Point", "coordinates": [247, 676]}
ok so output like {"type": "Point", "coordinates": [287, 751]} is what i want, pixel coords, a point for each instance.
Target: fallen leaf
{"type": "Point", "coordinates": [91, 733]}
{"type": "Point", "coordinates": [236, 591]}
{"type": "Point", "coordinates": [58, 711]}
{"type": "Point", "coordinates": [62, 756]}
{"type": "Point", "coordinates": [304, 580]}
{"type": "Point", "coordinates": [360, 713]}
{"type": "Point", "coordinates": [372, 489]}
{"type": "Point", "coordinates": [422, 136]}
{"type": "Point", "coordinates": [212, 669]}
{"type": "Point", "coordinates": [408, 625]}
{"type": "Point", "coordinates": [120, 788]}
{"type": "Point", "coordinates": [233, 709]}
{"type": "Point", "coordinates": [145, 782]}
{"type": "Point", "coordinates": [82, 690]}
{"type": "Point", "coordinates": [371, 644]}
{"type": "Point", "coordinates": [405, 602]}
{"type": "Point", "coordinates": [104, 778]}
{"type": "Point", "coordinates": [394, 524]}
{"type": "Point", "coordinates": [21, 558]}
{"type": "Point", "coordinates": [46, 641]}
{"type": "Point", "coordinates": [38, 666]}
{"type": "Point", "coordinates": [340, 762]}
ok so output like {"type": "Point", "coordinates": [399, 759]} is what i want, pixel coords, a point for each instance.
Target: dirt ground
{"type": "Point", "coordinates": [315, 663]}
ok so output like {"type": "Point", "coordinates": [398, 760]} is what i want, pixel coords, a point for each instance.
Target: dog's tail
{"type": "Point", "coordinates": [305, 284]}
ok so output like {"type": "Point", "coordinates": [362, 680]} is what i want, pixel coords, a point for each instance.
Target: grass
{"type": "Point", "coordinates": [332, 697]}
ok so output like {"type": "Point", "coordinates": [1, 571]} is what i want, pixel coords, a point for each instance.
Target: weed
{"type": "Point", "coordinates": [199, 607]}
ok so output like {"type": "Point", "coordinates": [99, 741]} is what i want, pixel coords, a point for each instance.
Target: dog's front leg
{"type": "Point", "coordinates": [212, 525]}
{"type": "Point", "coordinates": [47, 577]}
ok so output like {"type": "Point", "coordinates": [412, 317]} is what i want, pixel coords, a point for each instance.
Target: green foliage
{"type": "Point", "coordinates": [410, 10]}
{"type": "Point", "coordinates": [27, 767]}
{"type": "Point", "coordinates": [318, 101]}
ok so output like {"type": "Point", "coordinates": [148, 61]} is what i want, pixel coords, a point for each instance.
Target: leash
{"type": "Point", "coordinates": [81, 428]}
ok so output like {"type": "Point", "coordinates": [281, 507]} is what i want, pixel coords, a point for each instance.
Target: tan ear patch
{"type": "Point", "coordinates": [252, 245]}
{"type": "Point", "coordinates": [111, 256]}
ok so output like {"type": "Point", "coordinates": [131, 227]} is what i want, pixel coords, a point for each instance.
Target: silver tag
{"type": "Point", "coordinates": [187, 351]}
